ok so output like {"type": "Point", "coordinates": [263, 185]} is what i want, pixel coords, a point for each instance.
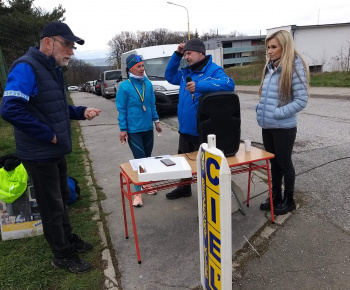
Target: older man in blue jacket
{"type": "Point", "coordinates": [201, 76]}
{"type": "Point", "coordinates": [35, 103]}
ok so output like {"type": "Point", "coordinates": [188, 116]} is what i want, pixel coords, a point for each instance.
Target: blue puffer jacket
{"type": "Point", "coordinates": [271, 112]}
{"type": "Point", "coordinates": [211, 78]}
{"type": "Point", "coordinates": [132, 118]}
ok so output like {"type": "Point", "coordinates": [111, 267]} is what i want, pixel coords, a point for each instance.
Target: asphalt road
{"type": "Point", "coordinates": [323, 139]}
{"type": "Point", "coordinates": [168, 230]}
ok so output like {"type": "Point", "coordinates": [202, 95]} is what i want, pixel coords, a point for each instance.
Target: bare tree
{"type": "Point", "coordinates": [145, 38]}
{"type": "Point", "coordinates": [78, 72]}
{"type": "Point", "coordinates": [177, 37]}
{"type": "Point", "coordinates": [215, 34]}
{"type": "Point", "coordinates": [73, 71]}
{"type": "Point", "coordinates": [344, 57]}
{"type": "Point", "coordinates": [121, 43]}
{"type": "Point", "coordinates": [126, 41]}
{"type": "Point", "coordinates": [161, 36]}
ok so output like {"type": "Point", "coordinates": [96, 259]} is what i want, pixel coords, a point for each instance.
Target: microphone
{"type": "Point", "coordinates": [189, 79]}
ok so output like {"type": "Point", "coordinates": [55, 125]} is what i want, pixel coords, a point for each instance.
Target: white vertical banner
{"type": "Point", "coordinates": [214, 214]}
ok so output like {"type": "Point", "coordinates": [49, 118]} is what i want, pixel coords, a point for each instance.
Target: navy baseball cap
{"type": "Point", "coordinates": [61, 29]}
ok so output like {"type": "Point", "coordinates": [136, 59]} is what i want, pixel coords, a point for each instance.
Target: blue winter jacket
{"type": "Point", "coordinates": [132, 118]}
{"type": "Point", "coordinates": [211, 78]}
{"type": "Point", "coordinates": [271, 112]}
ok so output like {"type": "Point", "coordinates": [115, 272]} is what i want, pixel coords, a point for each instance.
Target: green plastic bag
{"type": "Point", "coordinates": [12, 183]}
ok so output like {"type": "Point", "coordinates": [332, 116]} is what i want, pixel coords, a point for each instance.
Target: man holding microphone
{"type": "Point", "coordinates": [201, 76]}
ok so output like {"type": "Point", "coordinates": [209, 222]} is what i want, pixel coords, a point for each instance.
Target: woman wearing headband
{"type": "Point", "coordinates": [135, 102]}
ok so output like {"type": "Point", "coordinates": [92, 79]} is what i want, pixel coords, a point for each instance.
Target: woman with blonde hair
{"type": "Point", "coordinates": [283, 93]}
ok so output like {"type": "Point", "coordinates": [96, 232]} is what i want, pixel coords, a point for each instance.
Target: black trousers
{"type": "Point", "coordinates": [280, 142]}
{"type": "Point", "coordinates": [188, 143]}
{"type": "Point", "coordinates": [52, 195]}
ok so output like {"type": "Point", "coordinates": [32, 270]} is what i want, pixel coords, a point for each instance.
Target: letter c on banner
{"type": "Point", "coordinates": [211, 161]}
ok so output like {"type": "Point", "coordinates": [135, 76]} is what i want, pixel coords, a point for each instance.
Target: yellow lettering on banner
{"type": "Point", "coordinates": [206, 262]}
{"type": "Point", "coordinates": [214, 276]}
{"type": "Point", "coordinates": [204, 209]}
{"type": "Point", "coordinates": [212, 182]}
{"type": "Point", "coordinates": [214, 246]}
{"type": "Point", "coordinates": [213, 168]}
{"type": "Point", "coordinates": [213, 209]}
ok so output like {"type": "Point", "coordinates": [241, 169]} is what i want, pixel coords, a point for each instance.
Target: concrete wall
{"type": "Point", "coordinates": [327, 46]}
{"type": "Point", "coordinates": [216, 55]}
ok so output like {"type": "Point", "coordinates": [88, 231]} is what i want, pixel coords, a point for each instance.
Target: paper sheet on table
{"type": "Point", "coordinates": [135, 162]}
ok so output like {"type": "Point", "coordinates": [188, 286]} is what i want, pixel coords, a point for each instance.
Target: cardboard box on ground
{"type": "Point", "coordinates": [21, 219]}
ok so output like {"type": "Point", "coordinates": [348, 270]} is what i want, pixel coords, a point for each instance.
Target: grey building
{"type": "Point", "coordinates": [239, 50]}
{"type": "Point", "coordinates": [325, 48]}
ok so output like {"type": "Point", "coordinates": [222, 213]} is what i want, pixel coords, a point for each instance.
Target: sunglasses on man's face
{"type": "Point", "coordinates": [67, 45]}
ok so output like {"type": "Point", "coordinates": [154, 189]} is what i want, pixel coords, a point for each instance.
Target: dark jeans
{"type": "Point", "coordinates": [52, 195]}
{"type": "Point", "coordinates": [141, 145]}
{"type": "Point", "coordinates": [188, 143]}
{"type": "Point", "coordinates": [280, 142]}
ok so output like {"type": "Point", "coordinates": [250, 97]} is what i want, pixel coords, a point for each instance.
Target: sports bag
{"type": "Point", "coordinates": [74, 190]}
{"type": "Point", "coordinates": [12, 183]}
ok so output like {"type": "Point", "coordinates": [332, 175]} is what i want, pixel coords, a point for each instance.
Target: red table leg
{"type": "Point", "coordinates": [249, 179]}
{"type": "Point", "coordinates": [270, 190]}
{"type": "Point", "coordinates": [128, 195]}
{"type": "Point", "coordinates": [123, 203]}
{"type": "Point", "coordinates": [135, 232]}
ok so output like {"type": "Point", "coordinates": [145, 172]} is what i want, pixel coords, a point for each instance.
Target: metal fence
{"type": "Point", "coordinates": [16, 36]}
{"type": "Point", "coordinates": [3, 73]}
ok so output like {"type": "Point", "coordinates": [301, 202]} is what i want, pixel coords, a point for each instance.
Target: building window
{"type": "Point", "coordinates": [315, 68]}
{"type": "Point", "coordinates": [226, 44]}
{"type": "Point", "coordinates": [228, 55]}
{"type": "Point", "coordinates": [246, 54]}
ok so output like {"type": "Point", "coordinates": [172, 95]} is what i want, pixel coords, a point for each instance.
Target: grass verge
{"type": "Point", "coordinates": [250, 75]}
{"type": "Point", "coordinates": [25, 263]}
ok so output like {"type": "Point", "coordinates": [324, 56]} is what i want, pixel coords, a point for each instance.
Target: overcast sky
{"type": "Point", "coordinates": [98, 21]}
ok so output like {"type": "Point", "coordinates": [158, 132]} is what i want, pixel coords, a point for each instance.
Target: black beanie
{"type": "Point", "coordinates": [195, 44]}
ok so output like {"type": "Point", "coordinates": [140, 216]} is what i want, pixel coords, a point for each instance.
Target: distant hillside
{"type": "Point", "coordinates": [105, 67]}
{"type": "Point", "coordinates": [98, 61]}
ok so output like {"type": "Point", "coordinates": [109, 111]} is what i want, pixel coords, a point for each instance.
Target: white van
{"type": "Point", "coordinates": [155, 59]}
{"type": "Point", "coordinates": [108, 80]}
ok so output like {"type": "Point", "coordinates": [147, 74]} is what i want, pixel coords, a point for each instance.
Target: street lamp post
{"type": "Point", "coordinates": [188, 19]}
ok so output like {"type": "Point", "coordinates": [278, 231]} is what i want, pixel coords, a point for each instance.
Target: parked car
{"type": "Point", "coordinates": [73, 88]}
{"type": "Point", "coordinates": [87, 87]}
{"type": "Point", "coordinates": [90, 87]}
{"type": "Point", "coordinates": [93, 86]}
{"type": "Point", "coordinates": [98, 88]}
{"type": "Point", "coordinates": [108, 79]}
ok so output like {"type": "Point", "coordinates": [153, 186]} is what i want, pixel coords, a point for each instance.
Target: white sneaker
{"type": "Point", "coordinates": [137, 200]}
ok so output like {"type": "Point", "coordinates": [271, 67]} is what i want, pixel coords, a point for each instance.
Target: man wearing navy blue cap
{"type": "Point", "coordinates": [35, 103]}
